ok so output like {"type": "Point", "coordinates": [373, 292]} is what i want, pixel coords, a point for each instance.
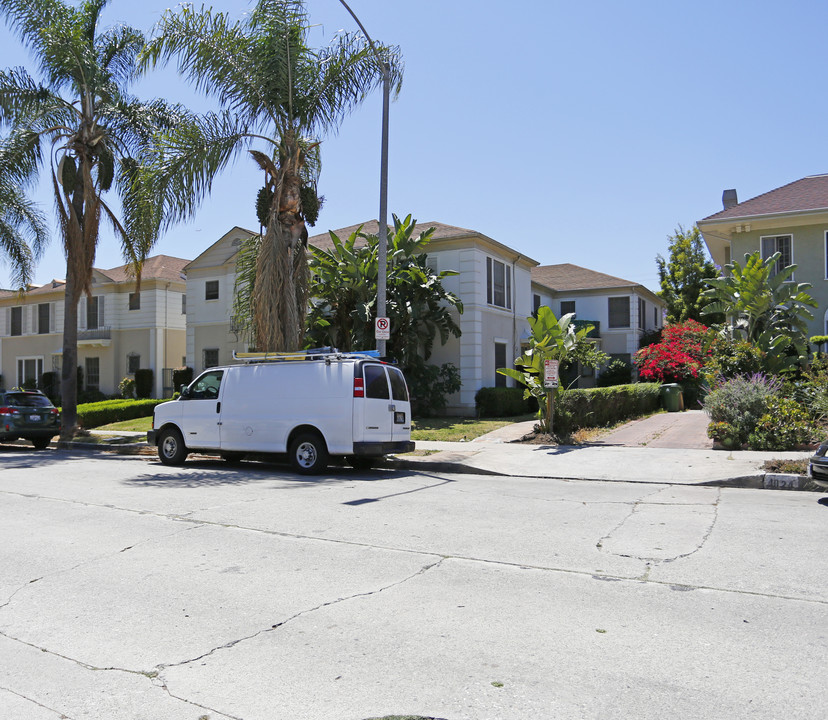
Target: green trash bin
{"type": "Point", "coordinates": [673, 398]}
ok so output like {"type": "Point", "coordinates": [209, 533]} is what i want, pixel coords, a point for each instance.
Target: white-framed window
{"type": "Point", "coordinates": [134, 301]}
{"type": "Point", "coordinates": [619, 312]}
{"type": "Point", "coordinates": [500, 362]}
{"type": "Point", "coordinates": [16, 320]}
{"type": "Point", "coordinates": [567, 306]}
{"type": "Point", "coordinates": [44, 318]}
{"type": "Point", "coordinates": [93, 373]}
{"type": "Point", "coordinates": [498, 284]}
{"type": "Point", "coordinates": [642, 314]}
{"type": "Point", "coordinates": [29, 371]}
{"type": "Point", "coordinates": [536, 302]}
{"type": "Point", "coordinates": [210, 358]}
{"type": "Point", "coordinates": [93, 313]}
{"type": "Point", "coordinates": [782, 244]}
{"type": "Point", "coordinates": [133, 362]}
{"type": "Point", "coordinates": [211, 290]}
{"type": "Point", "coordinates": [184, 303]}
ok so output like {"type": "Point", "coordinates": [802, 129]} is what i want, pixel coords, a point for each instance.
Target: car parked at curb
{"type": "Point", "coordinates": [28, 415]}
{"type": "Point", "coordinates": [818, 466]}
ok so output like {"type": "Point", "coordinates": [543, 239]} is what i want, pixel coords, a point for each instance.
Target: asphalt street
{"type": "Point", "coordinates": [131, 590]}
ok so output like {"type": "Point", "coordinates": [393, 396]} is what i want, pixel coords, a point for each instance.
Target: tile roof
{"type": "Point", "coordinates": [809, 193]}
{"type": "Point", "coordinates": [158, 267]}
{"type": "Point", "coordinates": [371, 227]}
{"type": "Point", "coordinates": [567, 277]}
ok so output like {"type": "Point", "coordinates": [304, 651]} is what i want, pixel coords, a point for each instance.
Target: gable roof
{"type": "Point", "coordinates": [158, 267]}
{"type": "Point", "coordinates": [808, 194]}
{"type": "Point", "coordinates": [323, 241]}
{"type": "Point", "coordinates": [567, 277]}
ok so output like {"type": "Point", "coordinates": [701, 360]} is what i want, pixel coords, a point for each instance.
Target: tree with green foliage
{"type": "Point", "coordinates": [277, 91]}
{"type": "Point", "coordinates": [23, 230]}
{"type": "Point", "coordinates": [764, 307]}
{"type": "Point", "coordinates": [683, 275]}
{"type": "Point", "coordinates": [552, 339]}
{"type": "Point", "coordinates": [421, 310]}
{"type": "Point", "coordinates": [80, 125]}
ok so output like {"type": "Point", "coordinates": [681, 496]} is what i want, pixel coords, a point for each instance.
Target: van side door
{"type": "Point", "coordinates": [201, 411]}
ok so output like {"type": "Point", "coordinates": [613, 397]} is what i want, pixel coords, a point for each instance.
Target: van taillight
{"type": "Point", "coordinates": [359, 387]}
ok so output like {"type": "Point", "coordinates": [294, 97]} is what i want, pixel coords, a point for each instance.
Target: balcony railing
{"type": "Point", "coordinates": [101, 333]}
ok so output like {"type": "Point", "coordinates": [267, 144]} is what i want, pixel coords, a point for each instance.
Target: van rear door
{"type": "Point", "coordinates": [401, 423]}
{"type": "Point", "coordinates": [378, 413]}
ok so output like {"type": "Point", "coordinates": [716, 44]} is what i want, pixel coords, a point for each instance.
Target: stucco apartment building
{"type": "Point", "coordinates": [119, 330]}
{"type": "Point", "coordinates": [791, 220]}
{"type": "Point", "coordinates": [621, 311]}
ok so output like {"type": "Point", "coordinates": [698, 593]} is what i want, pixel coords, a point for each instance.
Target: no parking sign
{"type": "Point", "coordinates": [382, 328]}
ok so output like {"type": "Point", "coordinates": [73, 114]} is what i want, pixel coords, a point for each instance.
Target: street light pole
{"type": "Point", "coordinates": [382, 251]}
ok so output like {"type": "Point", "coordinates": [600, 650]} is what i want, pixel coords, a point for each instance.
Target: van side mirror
{"type": "Point", "coordinates": [185, 392]}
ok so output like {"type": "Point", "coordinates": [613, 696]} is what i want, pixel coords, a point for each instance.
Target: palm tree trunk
{"type": "Point", "coordinates": [69, 372]}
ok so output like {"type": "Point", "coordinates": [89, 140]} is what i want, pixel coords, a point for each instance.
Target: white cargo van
{"type": "Point", "coordinates": [310, 405]}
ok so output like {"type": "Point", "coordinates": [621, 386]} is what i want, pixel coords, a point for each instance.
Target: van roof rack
{"type": "Point", "coordinates": [322, 353]}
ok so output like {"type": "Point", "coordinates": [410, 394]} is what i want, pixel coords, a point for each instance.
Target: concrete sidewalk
{"type": "Point", "coordinates": [667, 448]}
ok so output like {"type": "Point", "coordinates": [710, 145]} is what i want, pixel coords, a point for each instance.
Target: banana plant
{"type": "Point", "coordinates": [551, 339]}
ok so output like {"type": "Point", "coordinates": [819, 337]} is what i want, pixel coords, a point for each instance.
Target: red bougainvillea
{"type": "Point", "coordinates": [682, 352]}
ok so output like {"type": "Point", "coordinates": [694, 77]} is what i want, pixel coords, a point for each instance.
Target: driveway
{"type": "Point", "coordinates": [679, 430]}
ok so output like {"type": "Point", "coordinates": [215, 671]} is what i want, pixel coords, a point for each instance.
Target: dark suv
{"type": "Point", "coordinates": [30, 415]}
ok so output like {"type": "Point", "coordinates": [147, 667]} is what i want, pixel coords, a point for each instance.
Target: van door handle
{"type": "Point", "coordinates": [218, 407]}
{"type": "Point", "coordinates": [392, 408]}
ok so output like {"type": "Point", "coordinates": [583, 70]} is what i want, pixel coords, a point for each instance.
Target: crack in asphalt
{"type": "Point", "coordinates": [653, 562]}
{"type": "Point", "coordinates": [60, 715]}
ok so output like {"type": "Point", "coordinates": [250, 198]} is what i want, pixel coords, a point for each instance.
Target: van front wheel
{"type": "Point", "coordinates": [308, 454]}
{"type": "Point", "coordinates": [171, 448]}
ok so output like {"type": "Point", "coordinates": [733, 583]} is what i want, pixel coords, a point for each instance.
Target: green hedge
{"type": "Point", "coordinates": [597, 407]}
{"type": "Point", "coordinates": [94, 415]}
{"type": "Point", "coordinates": [494, 402]}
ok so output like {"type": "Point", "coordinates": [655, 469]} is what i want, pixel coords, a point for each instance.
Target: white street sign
{"type": "Point", "coordinates": [550, 373]}
{"type": "Point", "coordinates": [382, 328]}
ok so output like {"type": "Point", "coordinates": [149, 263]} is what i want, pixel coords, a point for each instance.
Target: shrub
{"type": "Point", "coordinates": [181, 376]}
{"type": "Point", "coordinates": [618, 372]}
{"type": "Point", "coordinates": [734, 357]}
{"type": "Point", "coordinates": [597, 407]}
{"type": "Point", "coordinates": [430, 386]}
{"type": "Point", "coordinates": [502, 402]}
{"type": "Point", "coordinates": [127, 388]}
{"type": "Point", "coordinates": [683, 351]}
{"type": "Point", "coordinates": [784, 425]}
{"type": "Point", "coordinates": [740, 402]}
{"type": "Point", "coordinates": [92, 395]}
{"type": "Point", "coordinates": [143, 382]}
{"type": "Point", "coordinates": [725, 434]}
{"type": "Point", "coordinates": [91, 415]}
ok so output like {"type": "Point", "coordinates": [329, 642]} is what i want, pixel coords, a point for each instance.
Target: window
{"type": "Point", "coordinates": [211, 290]}
{"type": "Point", "coordinates": [93, 373]}
{"type": "Point", "coordinates": [619, 312]}
{"type": "Point", "coordinates": [536, 303]}
{"type": "Point", "coordinates": [500, 362]}
{"type": "Point", "coordinates": [44, 316]}
{"type": "Point", "coordinates": [655, 318]}
{"type": "Point", "coordinates": [210, 357]}
{"type": "Point", "coordinates": [184, 304]}
{"type": "Point", "coordinates": [29, 372]}
{"type": "Point", "coordinates": [207, 386]}
{"type": "Point", "coordinates": [135, 301]}
{"type": "Point", "coordinates": [94, 312]}
{"type": "Point", "coordinates": [133, 363]}
{"type": "Point", "coordinates": [498, 284]}
{"type": "Point", "coordinates": [399, 391]}
{"type": "Point", "coordinates": [16, 321]}
{"type": "Point", "coordinates": [567, 306]}
{"type": "Point", "coordinates": [376, 386]}
{"type": "Point", "coordinates": [782, 244]}
{"type": "Point", "coordinates": [642, 314]}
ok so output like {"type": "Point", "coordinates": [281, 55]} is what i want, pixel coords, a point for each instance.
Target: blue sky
{"type": "Point", "coordinates": [573, 132]}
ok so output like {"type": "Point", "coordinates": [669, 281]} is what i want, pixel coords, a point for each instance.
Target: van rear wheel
{"type": "Point", "coordinates": [308, 453]}
{"type": "Point", "coordinates": [171, 448]}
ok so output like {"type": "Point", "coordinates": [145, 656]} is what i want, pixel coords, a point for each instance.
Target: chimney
{"type": "Point", "coordinates": [729, 199]}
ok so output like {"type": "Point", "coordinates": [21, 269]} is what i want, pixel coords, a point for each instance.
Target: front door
{"type": "Point", "coordinates": [201, 411]}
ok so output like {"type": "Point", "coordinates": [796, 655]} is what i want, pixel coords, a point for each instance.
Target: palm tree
{"type": "Point", "coordinates": [23, 231]}
{"type": "Point", "coordinates": [81, 124]}
{"type": "Point", "coordinates": [278, 91]}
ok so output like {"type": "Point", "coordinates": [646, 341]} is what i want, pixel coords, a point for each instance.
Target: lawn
{"type": "Point", "coordinates": [446, 429]}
